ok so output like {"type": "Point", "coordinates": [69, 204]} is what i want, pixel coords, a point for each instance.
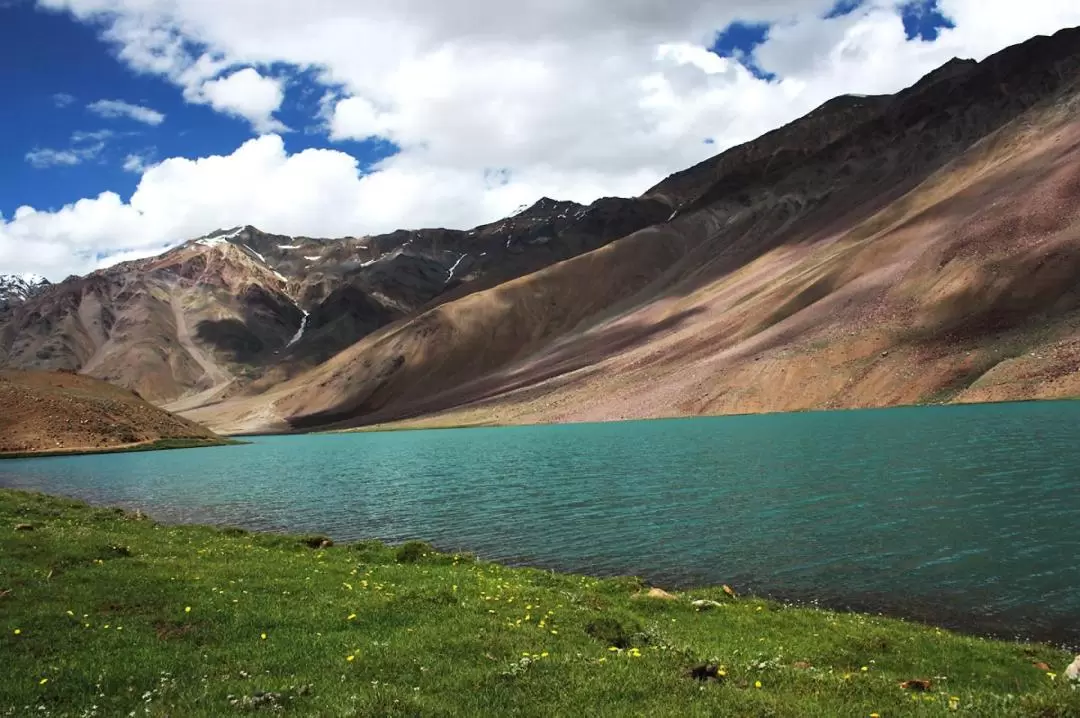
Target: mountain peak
{"type": "Point", "coordinates": [17, 288]}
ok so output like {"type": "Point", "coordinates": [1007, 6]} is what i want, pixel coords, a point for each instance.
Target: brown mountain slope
{"type": "Point", "coordinates": [241, 310]}
{"type": "Point", "coordinates": [65, 412]}
{"type": "Point", "coordinates": [921, 247]}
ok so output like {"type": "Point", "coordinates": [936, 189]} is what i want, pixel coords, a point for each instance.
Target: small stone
{"type": "Point", "coordinates": [24, 527]}
{"type": "Point", "coordinates": [917, 685]}
{"type": "Point", "coordinates": [1073, 671]}
{"type": "Point", "coordinates": [801, 665]}
{"type": "Point", "coordinates": [1041, 666]}
{"type": "Point", "coordinates": [705, 605]}
{"type": "Point", "coordinates": [661, 594]}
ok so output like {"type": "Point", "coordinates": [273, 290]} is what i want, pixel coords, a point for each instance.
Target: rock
{"type": "Point", "coordinates": [728, 590]}
{"type": "Point", "coordinates": [1073, 671]}
{"type": "Point", "coordinates": [24, 527]}
{"type": "Point", "coordinates": [661, 594]}
{"type": "Point", "coordinates": [316, 542]}
{"type": "Point", "coordinates": [918, 685]}
{"type": "Point", "coordinates": [705, 605]}
{"type": "Point", "coordinates": [1041, 666]}
{"type": "Point", "coordinates": [801, 665]}
{"type": "Point", "coordinates": [706, 671]}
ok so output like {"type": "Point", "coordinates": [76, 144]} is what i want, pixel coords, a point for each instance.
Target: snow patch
{"type": "Point", "coordinates": [261, 258]}
{"type": "Point", "coordinates": [673, 215]}
{"type": "Point", "coordinates": [217, 240]}
{"type": "Point", "coordinates": [450, 276]}
{"type": "Point", "coordinates": [312, 259]}
{"type": "Point", "coordinates": [212, 241]}
{"type": "Point", "coordinates": [289, 246]}
{"type": "Point", "coordinates": [300, 331]}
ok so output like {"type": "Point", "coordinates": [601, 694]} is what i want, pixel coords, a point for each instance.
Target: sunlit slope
{"type": "Point", "coordinates": [915, 248]}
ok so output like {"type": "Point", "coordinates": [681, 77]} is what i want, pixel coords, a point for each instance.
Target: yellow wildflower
{"type": "Point", "coordinates": [187, 609]}
{"type": "Point", "coordinates": [875, 715]}
{"type": "Point", "coordinates": [350, 659]}
{"type": "Point", "coordinates": [544, 654]}
{"type": "Point", "coordinates": [351, 617]}
{"type": "Point", "coordinates": [18, 631]}
{"type": "Point", "coordinates": [1051, 675]}
{"type": "Point", "coordinates": [757, 684]}
{"type": "Point", "coordinates": [554, 632]}
{"type": "Point", "coordinates": [262, 636]}
{"type": "Point", "coordinates": [864, 669]}
{"type": "Point", "coordinates": [43, 681]}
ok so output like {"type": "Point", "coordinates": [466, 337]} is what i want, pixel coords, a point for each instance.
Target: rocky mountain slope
{"type": "Point", "coordinates": [240, 309]}
{"type": "Point", "coordinates": [61, 412]}
{"type": "Point", "coordinates": [920, 247]}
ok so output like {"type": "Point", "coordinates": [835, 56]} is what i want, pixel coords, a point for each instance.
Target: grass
{"type": "Point", "coordinates": [159, 445]}
{"type": "Point", "coordinates": [105, 613]}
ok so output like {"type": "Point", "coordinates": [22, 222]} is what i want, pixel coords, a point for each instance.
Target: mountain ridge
{"type": "Point", "coordinates": [813, 267]}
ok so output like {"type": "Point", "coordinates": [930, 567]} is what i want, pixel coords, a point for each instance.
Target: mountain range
{"type": "Point", "coordinates": [922, 247]}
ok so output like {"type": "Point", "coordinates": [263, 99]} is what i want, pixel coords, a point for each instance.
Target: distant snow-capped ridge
{"type": "Point", "coordinates": [15, 288]}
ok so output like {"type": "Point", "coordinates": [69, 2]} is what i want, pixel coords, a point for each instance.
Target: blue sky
{"type": "Point", "coordinates": [340, 117]}
{"type": "Point", "coordinates": [50, 59]}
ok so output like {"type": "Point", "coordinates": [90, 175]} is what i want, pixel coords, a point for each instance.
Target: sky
{"type": "Point", "coordinates": [133, 125]}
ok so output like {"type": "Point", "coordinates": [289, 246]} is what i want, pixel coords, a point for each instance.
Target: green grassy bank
{"type": "Point", "coordinates": [104, 613]}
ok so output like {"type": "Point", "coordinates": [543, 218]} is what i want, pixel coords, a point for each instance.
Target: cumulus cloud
{"type": "Point", "coordinates": [119, 108]}
{"type": "Point", "coordinates": [492, 104]}
{"type": "Point", "coordinates": [247, 94]}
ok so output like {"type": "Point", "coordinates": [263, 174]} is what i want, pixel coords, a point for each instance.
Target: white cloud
{"type": "Point", "coordinates": [569, 99]}
{"type": "Point", "coordinates": [246, 93]}
{"type": "Point", "coordinates": [138, 162]}
{"type": "Point", "coordinates": [119, 108]}
{"type": "Point", "coordinates": [47, 157]}
{"type": "Point", "coordinates": [92, 136]}
{"type": "Point", "coordinates": [62, 99]}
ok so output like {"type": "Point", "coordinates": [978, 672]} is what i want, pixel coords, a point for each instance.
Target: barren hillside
{"type": "Point", "coordinates": [62, 412]}
{"type": "Point", "coordinates": [917, 248]}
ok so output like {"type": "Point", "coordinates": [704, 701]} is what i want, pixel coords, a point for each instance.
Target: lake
{"type": "Point", "coordinates": [965, 516]}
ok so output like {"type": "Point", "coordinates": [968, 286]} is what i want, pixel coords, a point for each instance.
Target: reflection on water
{"type": "Point", "coordinates": [966, 515]}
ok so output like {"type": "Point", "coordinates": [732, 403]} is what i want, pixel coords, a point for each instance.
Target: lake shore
{"type": "Point", "coordinates": [103, 607]}
{"type": "Point", "coordinates": [158, 445]}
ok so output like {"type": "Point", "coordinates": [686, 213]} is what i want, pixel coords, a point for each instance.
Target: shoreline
{"type": "Point", "coordinates": [156, 445]}
{"type": "Point", "coordinates": [1062, 632]}
{"type": "Point", "coordinates": [109, 608]}
{"type": "Point", "coordinates": [406, 424]}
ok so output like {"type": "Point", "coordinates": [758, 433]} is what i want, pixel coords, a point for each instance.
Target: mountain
{"type": "Point", "coordinates": [241, 309]}
{"type": "Point", "coordinates": [911, 248]}
{"type": "Point", "coordinates": [61, 412]}
{"type": "Point", "coordinates": [15, 289]}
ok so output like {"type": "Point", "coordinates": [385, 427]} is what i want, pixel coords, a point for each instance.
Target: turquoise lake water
{"type": "Point", "coordinates": [967, 516]}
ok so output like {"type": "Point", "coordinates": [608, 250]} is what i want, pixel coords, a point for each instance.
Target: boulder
{"type": "Point", "coordinates": [705, 604]}
{"type": "Point", "coordinates": [660, 594]}
{"type": "Point", "coordinates": [1073, 671]}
